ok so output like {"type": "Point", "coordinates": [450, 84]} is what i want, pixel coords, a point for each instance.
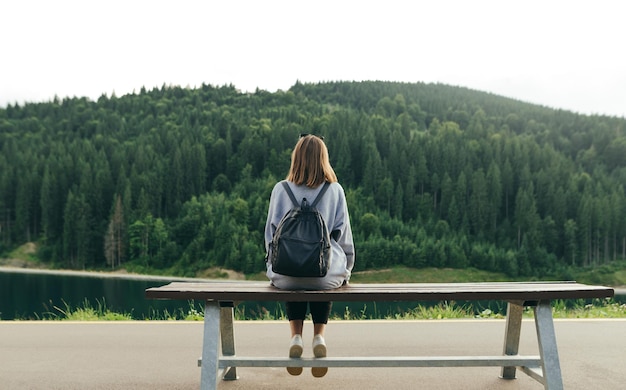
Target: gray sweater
{"type": "Point", "coordinates": [334, 210]}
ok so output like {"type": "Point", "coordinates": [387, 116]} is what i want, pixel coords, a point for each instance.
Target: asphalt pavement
{"type": "Point", "coordinates": [163, 355]}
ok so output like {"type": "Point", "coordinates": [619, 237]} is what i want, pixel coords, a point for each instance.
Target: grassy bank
{"type": "Point", "coordinates": [610, 274]}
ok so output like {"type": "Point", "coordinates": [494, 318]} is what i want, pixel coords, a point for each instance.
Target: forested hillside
{"type": "Point", "coordinates": [178, 180]}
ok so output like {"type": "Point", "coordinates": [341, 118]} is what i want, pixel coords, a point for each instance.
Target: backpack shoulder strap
{"type": "Point", "coordinates": [291, 195]}
{"type": "Point", "coordinates": [322, 192]}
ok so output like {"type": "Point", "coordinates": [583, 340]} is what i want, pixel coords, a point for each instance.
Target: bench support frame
{"type": "Point", "coordinates": [545, 368]}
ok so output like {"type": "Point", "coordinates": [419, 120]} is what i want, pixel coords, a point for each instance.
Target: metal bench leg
{"type": "Point", "coordinates": [547, 346]}
{"type": "Point", "coordinates": [210, 353]}
{"type": "Point", "coordinates": [227, 331]}
{"type": "Point", "coordinates": [512, 332]}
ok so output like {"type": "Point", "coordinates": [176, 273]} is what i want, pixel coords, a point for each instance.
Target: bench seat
{"type": "Point", "coordinates": [218, 351]}
{"type": "Point", "coordinates": [236, 291]}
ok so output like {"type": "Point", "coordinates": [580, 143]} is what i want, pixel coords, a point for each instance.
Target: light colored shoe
{"type": "Point", "coordinates": [319, 351]}
{"type": "Point", "coordinates": [295, 351]}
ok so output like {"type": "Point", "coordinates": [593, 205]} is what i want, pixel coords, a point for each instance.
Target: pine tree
{"type": "Point", "coordinates": [115, 239]}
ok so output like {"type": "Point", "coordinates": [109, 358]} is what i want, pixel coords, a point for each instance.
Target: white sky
{"type": "Point", "coordinates": [561, 54]}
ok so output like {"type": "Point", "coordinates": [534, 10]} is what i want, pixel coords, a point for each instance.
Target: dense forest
{"type": "Point", "coordinates": [178, 180]}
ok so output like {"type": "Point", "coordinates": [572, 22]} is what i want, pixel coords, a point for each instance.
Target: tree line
{"type": "Point", "coordinates": [178, 180]}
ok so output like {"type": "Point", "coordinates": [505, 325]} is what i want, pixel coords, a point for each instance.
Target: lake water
{"type": "Point", "coordinates": [28, 294]}
{"type": "Point", "coordinates": [31, 294]}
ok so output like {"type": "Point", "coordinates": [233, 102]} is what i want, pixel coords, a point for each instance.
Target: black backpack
{"type": "Point", "coordinates": [301, 244]}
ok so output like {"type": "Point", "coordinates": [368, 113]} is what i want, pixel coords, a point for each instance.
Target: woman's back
{"type": "Point", "coordinates": [334, 210]}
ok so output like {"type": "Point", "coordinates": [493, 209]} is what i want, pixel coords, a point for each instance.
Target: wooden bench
{"type": "Point", "coordinates": [220, 297]}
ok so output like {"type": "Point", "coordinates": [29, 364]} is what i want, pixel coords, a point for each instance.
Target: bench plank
{"type": "Point", "coordinates": [263, 291]}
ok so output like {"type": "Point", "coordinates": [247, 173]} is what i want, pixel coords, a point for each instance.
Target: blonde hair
{"type": "Point", "coordinates": [310, 164]}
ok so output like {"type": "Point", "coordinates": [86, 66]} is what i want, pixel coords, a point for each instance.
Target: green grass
{"type": "Point", "coordinates": [100, 312]}
{"type": "Point", "coordinates": [613, 274]}
{"type": "Point", "coordinates": [85, 312]}
{"type": "Point", "coordinates": [426, 275]}
{"type": "Point", "coordinates": [443, 310]}
{"type": "Point", "coordinates": [22, 256]}
{"type": "Point", "coordinates": [599, 308]}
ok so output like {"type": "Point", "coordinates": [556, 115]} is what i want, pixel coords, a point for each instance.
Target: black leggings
{"type": "Point", "coordinates": [319, 311]}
